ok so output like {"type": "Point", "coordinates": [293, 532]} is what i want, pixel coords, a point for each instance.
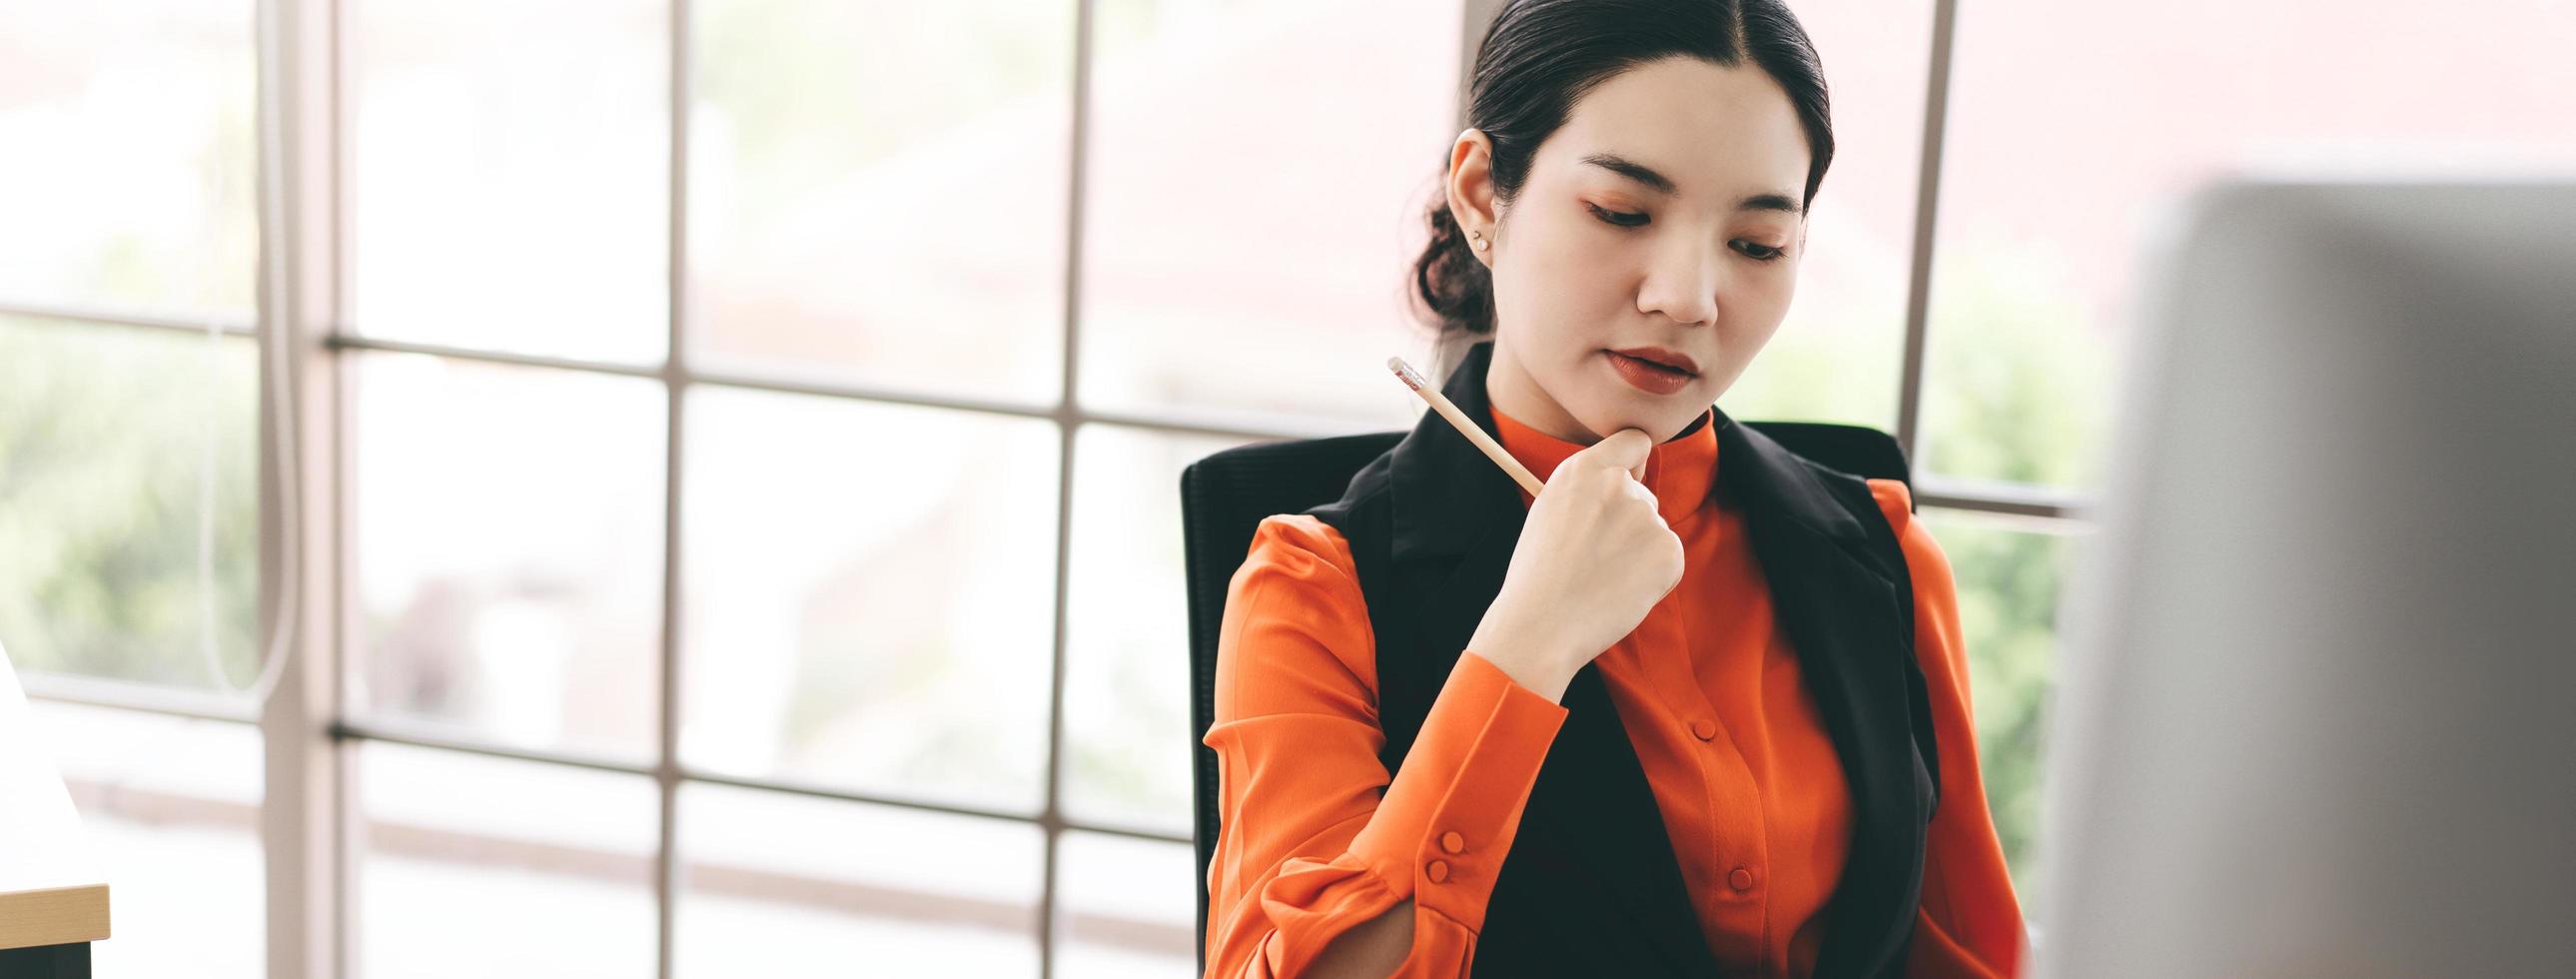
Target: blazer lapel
{"type": "Point", "coordinates": [1833, 595]}
{"type": "Point", "coordinates": [1592, 814]}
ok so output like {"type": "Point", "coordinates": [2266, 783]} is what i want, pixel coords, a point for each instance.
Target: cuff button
{"type": "Point", "coordinates": [1438, 871]}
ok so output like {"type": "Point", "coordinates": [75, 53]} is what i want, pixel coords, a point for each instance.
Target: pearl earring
{"type": "Point", "coordinates": [1479, 238]}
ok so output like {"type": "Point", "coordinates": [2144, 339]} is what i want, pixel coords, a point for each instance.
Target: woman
{"type": "Point", "coordinates": [1700, 706]}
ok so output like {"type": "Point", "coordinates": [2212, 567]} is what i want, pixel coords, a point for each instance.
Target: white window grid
{"type": "Point", "coordinates": [308, 829]}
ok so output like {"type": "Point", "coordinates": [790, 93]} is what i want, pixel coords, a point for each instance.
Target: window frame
{"type": "Point", "coordinates": [310, 832]}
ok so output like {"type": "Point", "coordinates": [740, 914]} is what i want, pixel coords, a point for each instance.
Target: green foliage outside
{"type": "Point", "coordinates": [102, 440]}
{"type": "Point", "coordinates": [2015, 392]}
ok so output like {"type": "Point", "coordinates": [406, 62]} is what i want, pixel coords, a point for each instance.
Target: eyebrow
{"type": "Point", "coordinates": [1648, 176]}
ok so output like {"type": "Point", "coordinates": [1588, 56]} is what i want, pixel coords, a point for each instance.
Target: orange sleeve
{"type": "Point", "coordinates": [1315, 838]}
{"type": "Point", "coordinates": [1970, 921]}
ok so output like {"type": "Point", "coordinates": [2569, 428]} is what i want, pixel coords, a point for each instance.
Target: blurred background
{"type": "Point", "coordinates": [865, 341]}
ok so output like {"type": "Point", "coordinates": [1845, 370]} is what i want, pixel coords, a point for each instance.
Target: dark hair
{"type": "Point", "coordinates": [1539, 57]}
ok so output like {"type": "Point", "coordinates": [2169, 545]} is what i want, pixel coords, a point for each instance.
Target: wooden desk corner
{"type": "Point", "coordinates": [53, 895]}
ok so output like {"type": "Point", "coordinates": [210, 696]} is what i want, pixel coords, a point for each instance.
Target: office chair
{"type": "Point", "coordinates": [1225, 496]}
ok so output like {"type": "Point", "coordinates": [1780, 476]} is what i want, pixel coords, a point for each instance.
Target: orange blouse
{"type": "Point", "coordinates": [1317, 838]}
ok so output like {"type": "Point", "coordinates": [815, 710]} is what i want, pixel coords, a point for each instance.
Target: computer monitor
{"type": "Point", "coordinates": [2316, 712]}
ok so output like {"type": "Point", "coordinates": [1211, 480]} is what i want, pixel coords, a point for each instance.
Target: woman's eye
{"type": "Point", "coordinates": [1760, 252]}
{"type": "Point", "coordinates": [1620, 218]}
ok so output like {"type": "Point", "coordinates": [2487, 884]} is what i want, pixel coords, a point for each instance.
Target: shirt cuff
{"type": "Point", "coordinates": [1449, 814]}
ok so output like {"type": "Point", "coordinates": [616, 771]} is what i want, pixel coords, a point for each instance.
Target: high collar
{"type": "Point", "coordinates": [1680, 471]}
{"type": "Point", "coordinates": [1448, 497]}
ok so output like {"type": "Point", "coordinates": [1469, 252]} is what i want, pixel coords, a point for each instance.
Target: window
{"type": "Point", "coordinates": [877, 192]}
{"type": "Point", "coordinates": [128, 445]}
{"type": "Point", "coordinates": [727, 567]}
{"type": "Point", "coordinates": [508, 178]}
{"type": "Point", "coordinates": [2058, 155]}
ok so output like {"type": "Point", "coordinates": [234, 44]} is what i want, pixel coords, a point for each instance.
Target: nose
{"type": "Point", "coordinates": [1683, 283]}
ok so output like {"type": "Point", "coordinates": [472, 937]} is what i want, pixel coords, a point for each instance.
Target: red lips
{"type": "Point", "coordinates": [1670, 358]}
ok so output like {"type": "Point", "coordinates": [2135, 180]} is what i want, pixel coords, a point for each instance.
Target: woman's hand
{"type": "Point", "coordinates": [1594, 557]}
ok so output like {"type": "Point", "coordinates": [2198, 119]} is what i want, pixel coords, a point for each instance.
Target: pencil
{"type": "Point", "coordinates": [1467, 427]}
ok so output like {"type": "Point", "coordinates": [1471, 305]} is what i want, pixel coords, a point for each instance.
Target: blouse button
{"type": "Point", "coordinates": [1439, 870]}
{"type": "Point", "coordinates": [1453, 842]}
{"type": "Point", "coordinates": [1705, 729]}
{"type": "Point", "coordinates": [1742, 879]}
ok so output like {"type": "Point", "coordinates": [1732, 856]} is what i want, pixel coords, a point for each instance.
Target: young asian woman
{"type": "Point", "coordinates": [1700, 706]}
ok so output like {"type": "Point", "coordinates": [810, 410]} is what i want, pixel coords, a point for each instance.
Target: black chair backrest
{"type": "Point", "coordinates": [1225, 496]}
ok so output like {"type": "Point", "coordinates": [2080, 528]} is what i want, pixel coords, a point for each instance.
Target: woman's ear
{"type": "Point", "coordinates": [1471, 189]}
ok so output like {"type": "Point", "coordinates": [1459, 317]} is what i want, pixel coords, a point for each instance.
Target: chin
{"type": "Point", "coordinates": [1617, 420]}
